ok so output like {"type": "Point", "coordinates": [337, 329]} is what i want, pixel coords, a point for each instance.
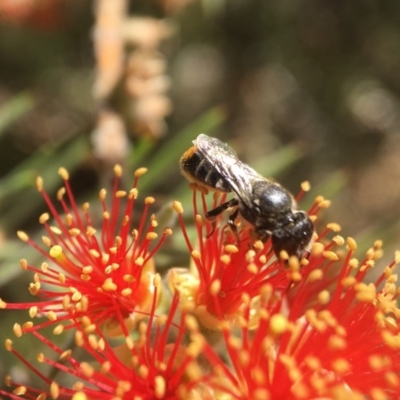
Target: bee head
{"type": "Point", "coordinates": [295, 236]}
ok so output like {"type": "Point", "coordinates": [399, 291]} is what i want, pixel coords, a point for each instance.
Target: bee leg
{"type": "Point", "coordinates": [232, 225]}
{"type": "Point", "coordinates": [213, 214]}
{"type": "Point", "coordinates": [210, 215]}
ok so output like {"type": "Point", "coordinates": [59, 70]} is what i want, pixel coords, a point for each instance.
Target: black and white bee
{"type": "Point", "coordinates": [263, 203]}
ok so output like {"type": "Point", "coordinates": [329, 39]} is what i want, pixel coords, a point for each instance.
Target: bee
{"type": "Point", "coordinates": [264, 204]}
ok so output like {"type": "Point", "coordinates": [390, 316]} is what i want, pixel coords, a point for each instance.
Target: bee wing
{"type": "Point", "coordinates": [223, 158]}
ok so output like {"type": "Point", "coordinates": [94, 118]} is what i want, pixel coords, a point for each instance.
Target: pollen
{"type": "Point", "coordinates": [60, 193]}
{"type": "Point", "coordinates": [51, 316]}
{"type": "Point", "coordinates": [56, 230]}
{"type": "Point", "coordinates": [58, 330]}
{"type": "Point", "coordinates": [109, 285]}
{"type": "Point", "coordinates": [351, 244]}
{"type": "Point", "coordinates": [63, 173]}
{"type": "Point", "coordinates": [8, 344]}
{"type": "Point", "coordinates": [117, 170]}
{"type": "Point", "coordinates": [196, 254]}
{"type": "Point", "coordinates": [215, 287]}
{"type": "Point", "coordinates": [140, 172]}
{"type": "Point", "coordinates": [378, 363]}
{"type": "Point", "coordinates": [317, 248]}
{"type": "Point", "coordinates": [378, 394]}
{"type": "Point", "coordinates": [196, 345]}
{"type": "Point", "coordinates": [34, 288]}
{"type": "Point", "coordinates": [225, 259]}
{"type": "Point", "coordinates": [194, 373]}
{"type": "Point", "coordinates": [283, 255]}
{"type": "Point", "coordinates": [293, 263]}
{"type": "Point", "coordinates": [177, 206]}
{"type": "Point", "coordinates": [160, 387]}
{"type": "Point", "coordinates": [151, 236]}
{"type": "Point", "coordinates": [199, 220]}
{"type": "Point", "coordinates": [93, 342]}
{"type": "Point", "coordinates": [305, 186]}
{"type": "Point", "coordinates": [149, 200]}
{"type": "Point", "coordinates": [85, 277]}
{"type": "Point", "coordinates": [46, 241]}
{"type": "Point", "coordinates": [17, 330]}
{"type": "Point", "coordinates": [392, 379]}
{"type": "Point", "coordinates": [244, 357]}
{"type": "Point", "coordinates": [133, 193]}
{"type": "Point", "coordinates": [79, 396]}
{"type": "Point", "coordinates": [278, 324]}
{"type": "Point", "coordinates": [128, 278]}
{"type": "Point", "coordinates": [258, 244]}
{"type": "Point", "coordinates": [105, 367]}
{"type": "Point", "coordinates": [378, 254]}
{"type": "Point", "coordinates": [250, 255]}
{"type": "Point", "coordinates": [129, 343]}
{"type": "Point", "coordinates": [312, 362]}
{"type": "Point", "coordinates": [353, 263]}
{"type": "Point", "coordinates": [126, 292]}
{"type": "Point", "coordinates": [27, 326]}
{"type": "Point", "coordinates": [94, 253]}
{"type": "Point", "coordinates": [341, 366]}
{"type": "Point", "coordinates": [87, 270]}
{"type": "Point", "coordinates": [24, 264]}
{"type": "Point", "coordinates": [76, 296]}
{"type": "Point", "coordinates": [20, 391]}
{"type": "Point", "coordinates": [120, 194]}
{"type": "Point", "coordinates": [143, 371]}
{"type": "Point", "coordinates": [316, 275]}
{"type": "Point", "coordinates": [74, 232]}
{"type": "Point", "coordinates": [324, 297]}
{"type": "Point", "coordinates": [334, 227]}
{"type": "Point", "coordinates": [191, 323]}
{"type": "Point", "coordinates": [295, 276]}
{"type": "Point", "coordinates": [365, 293]}
{"type": "Point", "coordinates": [39, 184]}
{"type": "Point", "coordinates": [22, 236]}
{"type": "Point", "coordinates": [252, 268]}
{"type": "Point", "coordinates": [330, 255]}
{"type": "Point", "coordinates": [55, 251]}
{"type": "Point", "coordinates": [102, 194]}
{"type": "Point", "coordinates": [139, 261]}
{"type": "Point", "coordinates": [231, 248]}
{"type": "Point", "coordinates": [339, 240]}
{"type": "Point", "coordinates": [44, 218]}
{"type": "Point", "coordinates": [325, 204]}
{"type": "Point", "coordinates": [105, 258]}
{"type": "Point", "coordinates": [336, 342]}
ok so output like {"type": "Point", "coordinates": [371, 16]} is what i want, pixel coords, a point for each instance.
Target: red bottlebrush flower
{"type": "Point", "coordinates": [158, 364]}
{"type": "Point", "coordinates": [224, 270]}
{"type": "Point", "coordinates": [103, 275]}
{"type": "Point", "coordinates": [345, 346]}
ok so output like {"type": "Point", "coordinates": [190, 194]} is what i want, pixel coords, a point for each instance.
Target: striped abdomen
{"type": "Point", "coordinates": [197, 169]}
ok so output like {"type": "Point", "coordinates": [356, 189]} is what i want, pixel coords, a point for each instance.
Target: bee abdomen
{"type": "Point", "coordinates": [198, 169]}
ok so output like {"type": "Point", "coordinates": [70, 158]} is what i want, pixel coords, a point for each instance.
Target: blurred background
{"type": "Point", "coordinates": [303, 90]}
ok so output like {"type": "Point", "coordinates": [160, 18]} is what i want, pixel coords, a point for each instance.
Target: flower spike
{"type": "Point", "coordinates": [110, 268]}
